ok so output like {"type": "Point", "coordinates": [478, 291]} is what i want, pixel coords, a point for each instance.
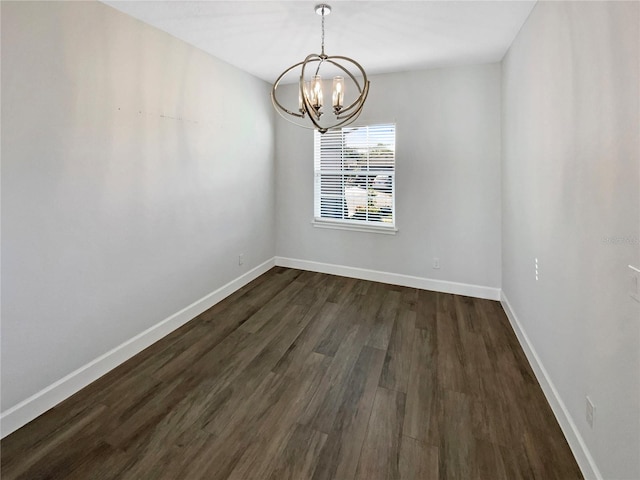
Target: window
{"type": "Point", "coordinates": [355, 178]}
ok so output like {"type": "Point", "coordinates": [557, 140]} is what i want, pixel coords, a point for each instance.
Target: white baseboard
{"type": "Point", "coordinates": [443, 286]}
{"type": "Point", "coordinates": [585, 461]}
{"type": "Point", "coordinates": [27, 410]}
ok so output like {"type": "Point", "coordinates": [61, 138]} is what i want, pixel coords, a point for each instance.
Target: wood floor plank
{"type": "Point", "coordinates": [171, 442]}
{"type": "Point", "coordinates": [445, 304]}
{"type": "Point", "coordinates": [170, 461]}
{"type": "Point", "coordinates": [291, 362]}
{"type": "Point", "coordinates": [237, 391]}
{"type": "Point", "coordinates": [272, 307]}
{"type": "Point", "coordinates": [124, 391]}
{"type": "Point", "coordinates": [478, 367]}
{"type": "Point", "coordinates": [370, 304]}
{"type": "Point", "coordinates": [339, 457]}
{"type": "Point", "coordinates": [333, 335]}
{"type": "Point", "coordinates": [126, 425]}
{"type": "Point", "coordinates": [165, 425]}
{"type": "Point", "coordinates": [217, 458]}
{"type": "Point", "coordinates": [152, 358]}
{"type": "Point", "coordinates": [317, 287]}
{"type": "Point", "coordinates": [259, 429]}
{"type": "Point", "coordinates": [273, 435]}
{"type": "Point", "coordinates": [421, 420]}
{"type": "Point", "coordinates": [379, 459]}
{"type": "Point", "coordinates": [450, 356]}
{"type": "Point", "coordinates": [102, 462]}
{"type": "Point", "coordinates": [464, 313]}
{"type": "Point", "coordinates": [234, 313]}
{"type": "Point", "coordinates": [63, 452]}
{"type": "Point", "coordinates": [182, 361]}
{"type": "Point", "coordinates": [418, 460]}
{"type": "Point", "coordinates": [36, 435]}
{"type": "Point", "coordinates": [397, 362]}
{"type": "Point", "coordinates": [223, 369]}
{"type": "Point", "coordinates": [225, 360]}
{"type": "Point", "coordinates": [343, 287]}
{"type": "Point", "coordinates": [487, 461]}
{"type": "Point", "coordinates": [384, 320]}
{"type": "Point", "coordinates": [426, 308]}
{"type": "Point", "coordinates": [321, 410]}
{"type": "Point", "coordinates": [409, 298]}
{"type": "Point", "coordinates": [300, 457]}
{"type": "Point", "coordinates": [544, 458]}
{"type": "Point", "coordinates": [515, 462]}
{"type": "Point", "coordinates": [301, 375]}
{"type": "Point", "coordinates": [457, 443]}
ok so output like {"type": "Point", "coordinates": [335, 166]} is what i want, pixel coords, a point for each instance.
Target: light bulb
{"type": "Point", "coordinates": [316, 91]}
{"type": "Point", "coordinates": [338, 93]}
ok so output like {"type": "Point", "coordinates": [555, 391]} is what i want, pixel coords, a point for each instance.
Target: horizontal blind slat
{"type": "Point", "coordinates": [355, 174]}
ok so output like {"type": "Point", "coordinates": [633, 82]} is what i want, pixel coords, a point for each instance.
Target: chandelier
{"type": "Point", "coordinates": [310, 89]}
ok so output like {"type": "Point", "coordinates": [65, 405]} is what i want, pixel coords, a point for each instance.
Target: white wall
{"type": "Point", "coordinates": [135, 169]}
{"type": "Point", "coordinates": [571, 186]}
{"type": "Point", "coordinates": [447, 183]}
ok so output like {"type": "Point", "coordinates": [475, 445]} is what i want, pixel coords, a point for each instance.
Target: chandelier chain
{"type": "Point", "coordinates": [323, 30]}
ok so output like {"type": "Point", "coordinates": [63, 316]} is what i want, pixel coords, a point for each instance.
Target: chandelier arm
{"type": "Point", "coordinates": [274, 88]}
{"type": "Point", "coordinates": [274, 99]}
{"type": "Point", "coordinates": [288, 119]}
{"type": "Point", "coordinates": [319, 64]}
{"type": "Point", "coordinates": [356, 113]}
{"type": "Point", "coordinates": [359, 107]}
{"type": "Point", "coordinates": [348, 120]}
{"type": "Point", "coordinates": [358, 103]}
{"type": "Point", "coordinates": [352, 61]}
{"type": "Point", "coordinates": [280, 109]}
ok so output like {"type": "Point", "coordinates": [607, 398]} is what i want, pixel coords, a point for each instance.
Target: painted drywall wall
{"type": "Point", "coordinates": [447, 180]}
{"type": "Point", "coordinates": [571, 186]}
{"type": "Point", "coordinates": [135, 169]}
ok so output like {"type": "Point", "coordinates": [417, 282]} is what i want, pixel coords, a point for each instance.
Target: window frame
{"type": "Point", "coordinates": [338, 136]}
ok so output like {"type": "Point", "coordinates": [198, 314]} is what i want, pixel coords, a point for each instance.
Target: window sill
{"type": "Point", "coordinates": [354, 227]}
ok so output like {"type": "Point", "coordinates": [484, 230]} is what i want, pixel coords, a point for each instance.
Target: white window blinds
{"type": "Point", "coordinates": [355, 176]}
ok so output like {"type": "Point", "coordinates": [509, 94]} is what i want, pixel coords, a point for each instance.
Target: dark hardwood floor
{"type": "Point", "coordinates": [301, 375]}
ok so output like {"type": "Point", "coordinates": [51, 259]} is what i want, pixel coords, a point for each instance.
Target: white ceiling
{"type": "Point", "coordinates": [265, 37]}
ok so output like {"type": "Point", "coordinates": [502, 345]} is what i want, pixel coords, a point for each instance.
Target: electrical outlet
{"type": "Point", "coordinates": [436, 262]}
{"type": "Point", "coordinates": [591, 412]}
{"type": "Point", "coordinates": [536, 269]}
{"type": "Point", "coordinates": [241, 259]}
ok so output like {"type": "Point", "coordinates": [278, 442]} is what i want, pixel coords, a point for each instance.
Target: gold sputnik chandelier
{"type": "Point", "coordinates": [311, 103]}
